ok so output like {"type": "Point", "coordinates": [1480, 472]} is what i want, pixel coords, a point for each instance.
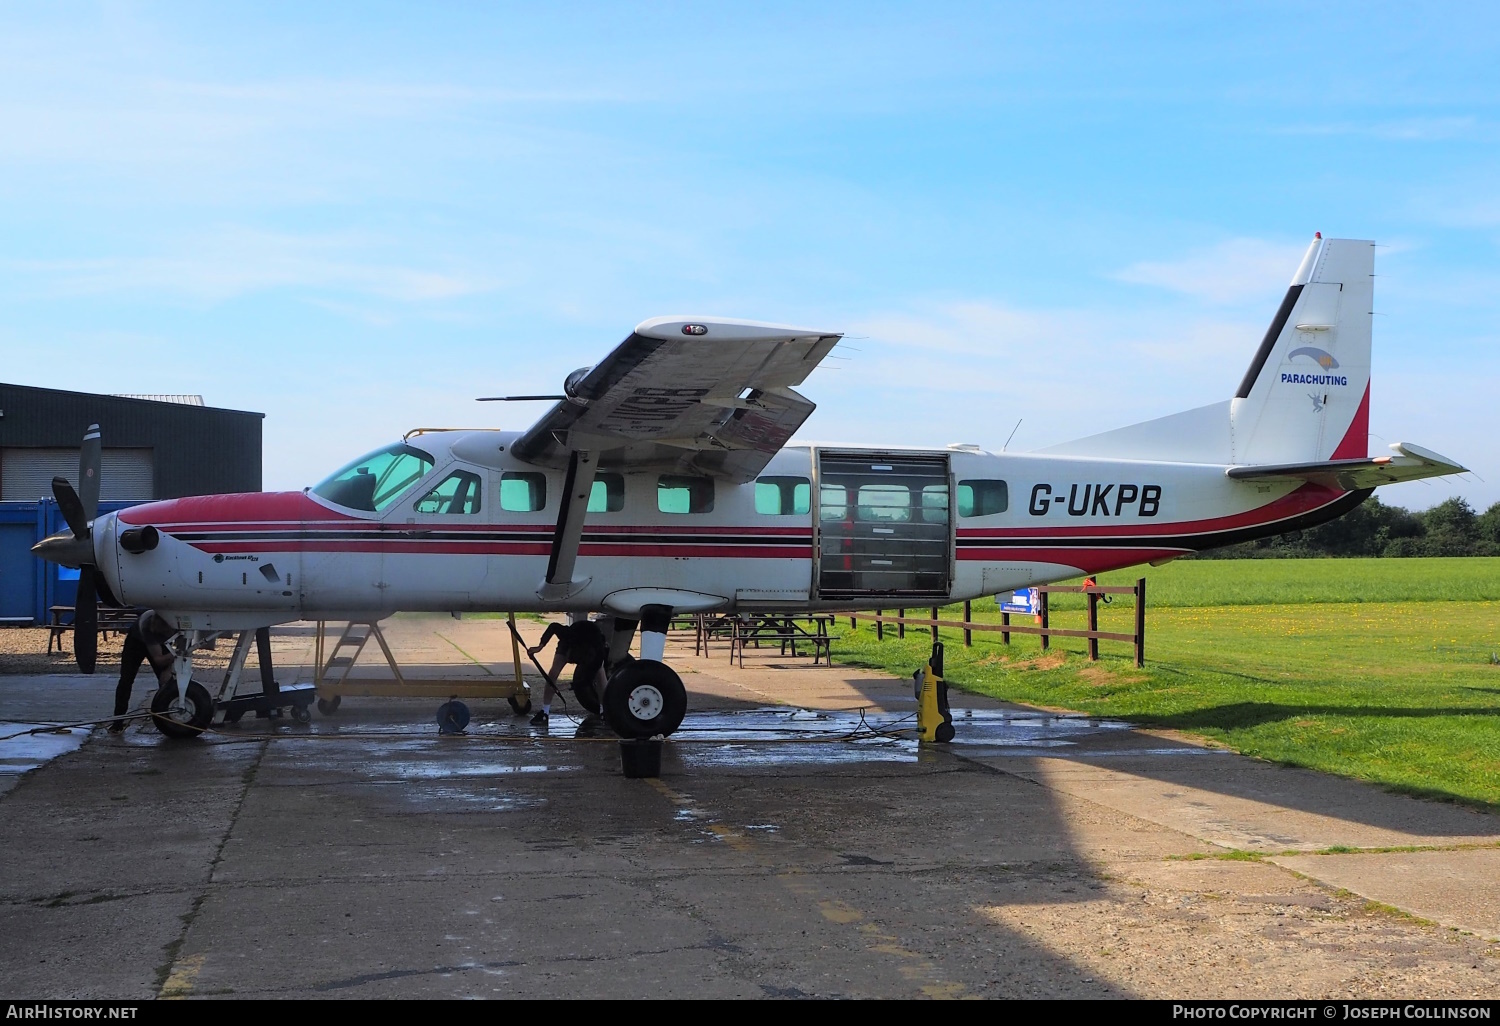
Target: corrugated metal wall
{"type": "Point", "coordinates": [196, 450]}
{"type": "Point", "coordinates": [186, 450]}
{"type": "Point", "coordinates": [128, 474]}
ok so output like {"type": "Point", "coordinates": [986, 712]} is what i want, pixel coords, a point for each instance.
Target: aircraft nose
{"type": "Point", "coordinates": [65, 549]}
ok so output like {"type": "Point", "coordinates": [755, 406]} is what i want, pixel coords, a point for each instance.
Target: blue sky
{"type": "Point", "coordinates": [357, 218]}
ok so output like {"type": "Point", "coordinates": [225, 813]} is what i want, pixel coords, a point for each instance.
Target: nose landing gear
{"type": "Point", "coordinates": [184, 718]}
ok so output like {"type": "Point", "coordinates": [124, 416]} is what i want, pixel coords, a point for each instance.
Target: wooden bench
{"type": "Point", "coordinates": [111, 620]}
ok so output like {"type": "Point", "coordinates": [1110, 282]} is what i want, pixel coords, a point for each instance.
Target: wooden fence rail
{"type": "Point", "coordinates": [1043, 627]}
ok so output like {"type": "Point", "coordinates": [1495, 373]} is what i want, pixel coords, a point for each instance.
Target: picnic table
{"type": "Point", "coordinates": [111, 620]}
{"type": "Point", "coordinates": [785, 630]}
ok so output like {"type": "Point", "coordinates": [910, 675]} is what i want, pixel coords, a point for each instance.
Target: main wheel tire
{"type": "Point", "coordinates": [517, 708]}
{"type": "Point", "coordinates": [199, 713]}
{"type": "Point", "coordinates": [645, 698]}
{"type": "Point", "coordinates": [583, 686]}
{"type": "Point", "coordinates": [302, 714]}
{"type": "Point", "coordinates": [329, 706]}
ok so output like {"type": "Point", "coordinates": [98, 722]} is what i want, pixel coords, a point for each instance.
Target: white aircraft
{"type": "Point", "coordinates": [662, 482]}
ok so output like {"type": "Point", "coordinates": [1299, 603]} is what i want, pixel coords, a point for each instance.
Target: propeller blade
{"type": "Point", "coordinates": [72, 509]}
{"type": "Point", "coordinates": [86, 621]}
{"type": "Point", "coordinates": [89, 459]}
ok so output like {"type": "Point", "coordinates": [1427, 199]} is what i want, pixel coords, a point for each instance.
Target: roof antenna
{"type": "Point", "coordinates": [1012, 433]}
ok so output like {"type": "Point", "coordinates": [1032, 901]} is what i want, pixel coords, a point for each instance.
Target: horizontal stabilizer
{"type": "Point", "coordinates": [1411, 463]}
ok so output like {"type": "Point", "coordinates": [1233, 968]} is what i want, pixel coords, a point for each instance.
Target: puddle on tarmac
{"type": "Point", "coordinates": [457, 799]}
{"type": "Point", "coordinates": [20, 754]}
{"type": "Point", "coordinates": [761, 738]}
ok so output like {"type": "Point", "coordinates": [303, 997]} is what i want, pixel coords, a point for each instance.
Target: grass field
{"type": "Point", "coordinates": [1378, 669]}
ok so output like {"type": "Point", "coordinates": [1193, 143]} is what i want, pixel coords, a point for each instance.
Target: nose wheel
{"type": "Point", "coordinates": [186, 718]}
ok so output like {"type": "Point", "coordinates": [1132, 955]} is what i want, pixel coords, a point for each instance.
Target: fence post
{"type": "Point", "coordinates": [1093, 626]}
{"type": "Point", "coordinates": [1140, 622]}
{"type": "Point", "coordinates": [901, 627]}
{"type": "Point", "coordinates": [1005, 622]}
{"type": "Point", "coordinates": [934, 623]}
{"type": "Point", "coordinates": [879, 625]}
{"type": "Point", "coordinates": [968, 618]}
{"type": "Point", "coordinates": [1046, 638]}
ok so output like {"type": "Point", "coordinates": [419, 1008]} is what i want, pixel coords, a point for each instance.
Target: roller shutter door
{"type": "Point", "coordinates": [26, 474]}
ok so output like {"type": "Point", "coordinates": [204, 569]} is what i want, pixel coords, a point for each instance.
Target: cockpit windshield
{"type": "Point", "coordinates": [376, 481]}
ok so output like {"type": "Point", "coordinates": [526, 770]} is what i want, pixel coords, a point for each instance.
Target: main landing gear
{"type": "Point", "coordinates": [644, 700]}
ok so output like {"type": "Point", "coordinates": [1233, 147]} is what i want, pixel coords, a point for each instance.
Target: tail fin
{"type": "Point", "coordinates": [1306, 395]}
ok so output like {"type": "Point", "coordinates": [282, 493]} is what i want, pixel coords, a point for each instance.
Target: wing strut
{"type": "Point", "coordinates": [569, 531]}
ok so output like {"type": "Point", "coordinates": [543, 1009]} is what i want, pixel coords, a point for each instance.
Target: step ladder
{"type": "Point", "coordinates": [334, 670]}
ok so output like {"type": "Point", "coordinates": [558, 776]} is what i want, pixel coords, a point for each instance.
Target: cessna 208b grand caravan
{"type": "Point", "coordinates": [662, 482]}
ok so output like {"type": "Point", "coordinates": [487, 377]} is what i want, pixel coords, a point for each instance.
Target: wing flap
{"type": "Point", "coordinates": [694, 396]}
{"type": "Point", "coordinates": [1410, 463]}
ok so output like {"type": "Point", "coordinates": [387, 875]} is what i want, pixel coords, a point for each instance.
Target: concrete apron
{"type": "Point", "coordinates": [1229, 801]}
{"type": "Point", "coordinates": [1040, 854]}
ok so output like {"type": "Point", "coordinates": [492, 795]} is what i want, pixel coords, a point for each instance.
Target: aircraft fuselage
{"type": "Point", "coordinates": [821, 528]}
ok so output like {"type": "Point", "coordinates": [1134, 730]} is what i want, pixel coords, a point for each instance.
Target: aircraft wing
{"type": "Point", "coordinates": [710, 397]}
{"type": "Point", "coordinates": [1411, 463]}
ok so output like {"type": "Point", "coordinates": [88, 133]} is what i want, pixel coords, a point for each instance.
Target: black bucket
{"type": "Point", "coordinates": [640, 758]}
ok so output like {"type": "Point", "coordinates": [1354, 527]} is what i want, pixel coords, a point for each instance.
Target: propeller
{"type": "Point", "coordinates": [75, 546]}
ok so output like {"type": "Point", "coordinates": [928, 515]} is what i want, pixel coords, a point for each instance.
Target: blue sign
{"type": "Point", "coordinates": [1028, 601]}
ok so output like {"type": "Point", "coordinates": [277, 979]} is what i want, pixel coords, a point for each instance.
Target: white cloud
{"type": "Point", "coordinates": [1229, 272]}
{"type": "Point", "coordinates": [235, 261]}
{"type": "Point", "coordinates": [965, 371]}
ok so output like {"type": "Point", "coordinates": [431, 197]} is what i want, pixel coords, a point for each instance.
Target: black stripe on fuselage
{"type": "Point", "coordinates": [1269, 342]}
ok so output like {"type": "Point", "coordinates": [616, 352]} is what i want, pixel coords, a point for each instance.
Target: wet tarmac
{"type": "Point", "coordinates": [809, 848]}
{"type": "Point", "coordinates": [26, 746]}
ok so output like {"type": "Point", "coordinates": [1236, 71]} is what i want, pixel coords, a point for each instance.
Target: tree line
{"type": "Point", "coordinates": [1451, 528]}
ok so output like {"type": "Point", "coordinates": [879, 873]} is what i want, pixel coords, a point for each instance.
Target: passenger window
{"type": "Point", "coordinates": [833, 502]}
{"type": "Point", "coordinates": [523, 492]}
{"type": "Point", "coordinates": [608, 493]}
{"type": "Point", "coordinates": [982, 498]}
{"type": "Point", "coordinates": [935, 504]}
{"type": "Point", "coordinates": [676, 494]}
{"type": "Point", "coordinates": [783, 496]}
{"type": "Point", "coordinates": [457, 494]}
{"type": "Point", "coordinates": [884, 503]}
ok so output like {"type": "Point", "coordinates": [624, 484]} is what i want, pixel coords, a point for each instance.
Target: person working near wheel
{"type": "Point", "coordinates": [579, 641]}
{"type": "Point", "coordinates": [146, 640]}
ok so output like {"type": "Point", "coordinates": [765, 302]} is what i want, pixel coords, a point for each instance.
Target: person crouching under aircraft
{"type": "Point", "coordinates": [146, 640]}
{"type": "Point", "coordinates": [579, 641]}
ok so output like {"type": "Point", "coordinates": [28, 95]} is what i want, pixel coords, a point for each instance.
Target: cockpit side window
{"type": "Point", "coordinates": [376, 481]}
{"type": "Point", "coordinates": [457, 494]}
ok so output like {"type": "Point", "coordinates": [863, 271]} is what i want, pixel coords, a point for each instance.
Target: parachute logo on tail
{"type": "Point", "coordinates": [1321, 357]}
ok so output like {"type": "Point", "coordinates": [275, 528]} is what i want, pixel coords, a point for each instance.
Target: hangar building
{"type": "Point", "coordinates": [155, 447]}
